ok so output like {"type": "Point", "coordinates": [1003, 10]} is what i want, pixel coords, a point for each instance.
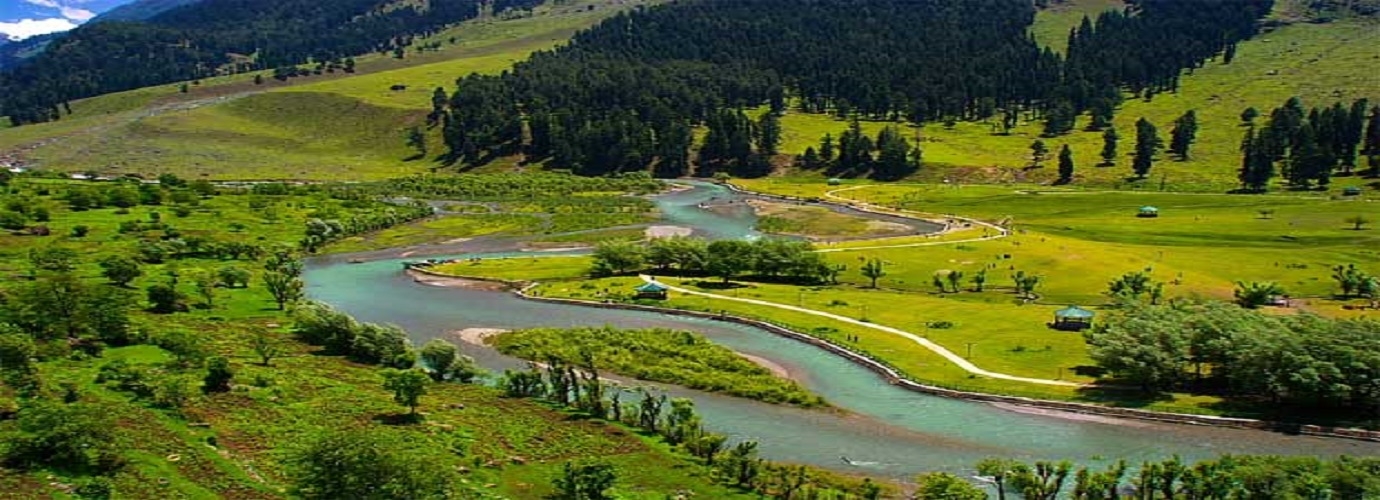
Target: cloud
{"type": "Point", "coordinates": [69, 12]}
{"type": "Point", "coordinates": [25, 28]}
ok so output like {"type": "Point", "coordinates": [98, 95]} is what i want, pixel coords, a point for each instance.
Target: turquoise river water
{"type": "Point", "coordinates": [883, 430]}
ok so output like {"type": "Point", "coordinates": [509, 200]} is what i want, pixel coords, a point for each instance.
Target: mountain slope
{"type": "Point", "coordinates": [141, 10]}
{"type": "Point", "coordinates": [215, 37]}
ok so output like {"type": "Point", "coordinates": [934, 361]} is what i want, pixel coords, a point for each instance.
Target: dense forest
{"type": "Point", "coordinates": [625, 94]}
{"type": "Point", "coordinates": [214, 37]}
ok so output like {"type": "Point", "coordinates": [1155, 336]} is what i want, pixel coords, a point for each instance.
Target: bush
{"type": "Point", "coordinates": [218, 375]}
{"type": "Point", "coordinates": [76, 437]}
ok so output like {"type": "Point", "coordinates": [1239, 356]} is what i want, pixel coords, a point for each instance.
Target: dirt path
{"type": "Point", "coordinates": [957, 360]}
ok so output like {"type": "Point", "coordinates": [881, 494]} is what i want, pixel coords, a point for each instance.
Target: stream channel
{"type": "Point", "coordinates": [884, 430]}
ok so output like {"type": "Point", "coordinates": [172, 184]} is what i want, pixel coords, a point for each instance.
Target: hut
{"type": "Point", "coordinates": [1351, 191]}
{"type": "Point", "coordinates": [835, 181]}
{"type": "Point", "coordinates": [652, 290]}
{"type": "Point", "coordinates": [1073, 318]}
{"type": "Point", "coordinates": [1148, 212]}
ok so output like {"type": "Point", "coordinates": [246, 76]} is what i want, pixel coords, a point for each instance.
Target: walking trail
{"type": "Point", "coordinates": [924, 342]}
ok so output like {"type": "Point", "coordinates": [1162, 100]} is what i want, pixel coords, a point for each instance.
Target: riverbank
{"type": "Point", "coordinates": [892, 376]}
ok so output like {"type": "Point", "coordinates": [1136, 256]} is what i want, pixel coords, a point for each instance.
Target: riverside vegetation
{"type": "Point", "coordinates": [142, 397]}
{"type": "Point", "coordinates": [674, 357]}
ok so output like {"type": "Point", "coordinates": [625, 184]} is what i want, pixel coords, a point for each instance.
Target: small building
{"type": "Point", "coordinates": [1351, 191]}
{"type": "Point", "coordinates": [835, 181]}
{"type": "Point", "coordinates": [1073, 318]}
{"type": "Point", "coordinates": [652, 290]}
{"type": "Point", "coordinates": [1148, 212]}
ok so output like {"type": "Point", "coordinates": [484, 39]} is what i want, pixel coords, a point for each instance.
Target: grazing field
{"type": "Point", "coordinates": [1052, 24]}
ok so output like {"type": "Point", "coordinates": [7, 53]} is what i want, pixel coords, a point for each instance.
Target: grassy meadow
{"type": "Point", "coordinates": [1078, 241]}
{"type": "Point", "coordinates": [333, 126]}
{"type": "Point", "coordinates": [1316, 62]}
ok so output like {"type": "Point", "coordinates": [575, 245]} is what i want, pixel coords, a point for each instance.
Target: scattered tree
{"type": "Point", "coordinates": [585, 482]}
{"type": "Point", "coordinates": [874, 269]}
{"type": "Point", "coordinates": [407, 386]}
{"type": "Point", "coordinates": [120, 270]}
{"type": "Point", "coordinates": [1358, 222]}
{"type": "Point", "coordinates": [1148, 143]}
{"type": "Point", "coordinates": [218, 375]}
{"type": "Point", "coordinates": [1109, 143]}
{"type": "Point", "coordinates": [1065, 165]}
{"type": "Point", "coordinates": [1255, 294]}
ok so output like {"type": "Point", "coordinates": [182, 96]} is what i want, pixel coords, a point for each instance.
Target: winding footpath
{"type": "Point", "coordinates": [966, 365]}
{"type": "Point", "coordinates": [952, 357]}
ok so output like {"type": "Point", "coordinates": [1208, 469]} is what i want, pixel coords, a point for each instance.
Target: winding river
{"type": "Point", "coordinates": [884, 430]}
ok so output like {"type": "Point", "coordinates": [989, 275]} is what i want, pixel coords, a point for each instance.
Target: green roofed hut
{"type": "Point", "coordinates": [1148, 212]}
{"type": "Point", "coordinates": [835, 181]}
{"type": "Point", "coordinates": [1073, 318]}
{"type": "Point", "coordinates": [652, 290]}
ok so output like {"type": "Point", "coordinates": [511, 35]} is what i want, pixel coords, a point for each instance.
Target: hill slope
{"type": "Point", "coordinates": [215, 37]}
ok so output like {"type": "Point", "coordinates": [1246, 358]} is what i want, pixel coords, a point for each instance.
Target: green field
{"type": "Point", "coordinates": [1078, 241]}
{"type": "Point", "coordinates": [327, 127]}
{"type": "Point", "coordinates": [1316, 62]}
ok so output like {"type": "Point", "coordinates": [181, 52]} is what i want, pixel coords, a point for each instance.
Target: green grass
{"type": "Point", "coordinates": [328, 127]}
{"type": "Point", "coordinates": [436, 230]}
{"type": "Point", "coordinates": [818, 223]}
{"type": "Point", "coordinates": [535, 268]}
{"type": "Point", "coordinates": [1052, 24]}
{"type": "Point", "coordinates": [273, 408]}
{"type": "Point", "coordinates": [1317, 62]}
{"type": "Point", "coordinates": [683, 358]}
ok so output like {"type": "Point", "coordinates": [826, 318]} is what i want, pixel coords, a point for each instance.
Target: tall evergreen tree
{"type": "Point", "coordinates": [1308, 163]}
{"type": "Point", "coordinates": [1109, 144]}
{"type": "Point", "coordinates": [1257, 167]}
{"type": "Point", "coordinates": [1065, 165]}
{"type": "Point", "coordinates": [1148, 143]}
{"type": "Point", "coordinates": [1184, 133]}
{"type": "Point", "coordinates": [1371, 145]}
{"type": "Point", "coordinates": [768, 133]}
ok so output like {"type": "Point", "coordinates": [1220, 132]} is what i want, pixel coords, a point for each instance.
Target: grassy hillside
{"type": "Point", "coordinates": [1321, 63]}
{"type": "Point", "coordinates": [315, 127]}
{"type": "Point", "coordinates": [1052, 24]}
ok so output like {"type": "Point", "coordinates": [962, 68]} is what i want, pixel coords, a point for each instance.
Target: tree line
{"type": "Point", "coordinates": [676, 357]}
{"type": "Point", "coordinates": [1307, 147]}
{"type": "Point", "coordinates": [771, 259]}
{"type": "Point", "coordinates": [626, 94]}
{"type": "Point", "coordinates": [1219, 348]}
{"type": "Point", "coordinates": [216, 37]}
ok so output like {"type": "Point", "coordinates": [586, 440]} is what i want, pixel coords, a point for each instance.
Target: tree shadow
{"type": "Point", "coordinates": [719, 285]}
{"type": "Point", "coordinates": [399, 419]}
{"type": "Point", "coordinates": [1109, 394]}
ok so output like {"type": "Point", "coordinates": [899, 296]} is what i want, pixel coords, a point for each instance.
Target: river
{"type": "Point", "coordinates": [883, 431]}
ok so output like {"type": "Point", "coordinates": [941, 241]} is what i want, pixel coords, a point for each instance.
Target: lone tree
{"type": "Point", "coordinates": [1184, 133]}
{"type": "Point", "coordinates": [408, 387]}
{"type": "Point", "coordinates": [1255, 294]}
{"type": "Point", "coordinates": [218, 375]}
{"type": "Point", "coordinates": [120, 270]}
{"type": "Point", "coordinates": [1026, 284]}
{"type": "Point", "coordinates": [874, 270]}
{"type": "Point", "coordinates": [1109, 140]}
{"type": "Point", "coordinates": [1065, 165]}
{"type": "Point", "coordinates": [1038, 153]}
{"type": "Point", "coordinates": [1148, 143]}
{"type": "Point", "coordinates": [1358, 222]}
{"type": "Point", "coordinates": [954, 278]}
{"type": "Point", "coordinates": [585, 482]}
{"type": "Point", "coordinates": [265, 347]}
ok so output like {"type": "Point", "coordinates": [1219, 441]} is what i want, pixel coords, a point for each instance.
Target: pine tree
{"type": "Point", "coordinates": [1257, 168]}
{"type": "Point", "coordinates": [768, 133]}
{"type": "Point", "coordinates": [1109, 140]}
{"type": "Point", "coordinates": [1065, 165]}
{"type": "Point", "coordinates": [1060, 118]}
{"type": "Point", "coordinates": [826, 148]}
{"type": "Point", "coordinates": [1038, 152]}
{"type": "Point", "coordinates": [1147, 144]}
{"type": "Point", "coordinates": [1371, 145]}
{"type": "Point", "coordinates": [1308, 163]}
{"type": "Point", "coordinates": [1184, 133]}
